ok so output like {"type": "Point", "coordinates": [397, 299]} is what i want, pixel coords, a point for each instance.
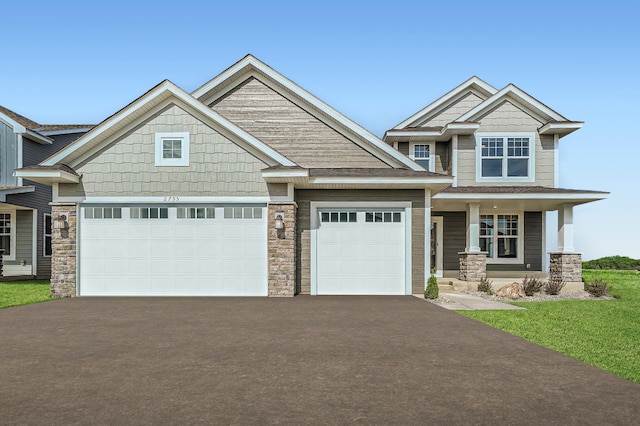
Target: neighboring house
{"type": "Point", "coordinates": [25, 214]}
{"type": "Point", "coordinates": [253, 186]}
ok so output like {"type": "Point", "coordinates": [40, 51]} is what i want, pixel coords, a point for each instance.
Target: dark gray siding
{"type": "Point", "coordinates": [8, 155]}
{"type": "Point", "coordinates": [33, 153]}
{"type": "Point", "coordinates": [454, 235]}
{"type": "Point", "coordinates": [303, 237]}
{"type": "Point", "coordinates": [442, 156]}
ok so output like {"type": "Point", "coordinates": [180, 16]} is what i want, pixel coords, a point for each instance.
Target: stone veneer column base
{"type": "Point", "coordinates": [63, 256]}
{"type": "Point", "coordinates": [473, 266]}
{"type": "Point", "coordinates": [281, 246]}
{"type": "Point", "coordinates": [566, 267]}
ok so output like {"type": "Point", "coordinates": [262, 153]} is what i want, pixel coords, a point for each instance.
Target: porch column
{"type": "Point", "coordinates": [427, 235]}
{"type": "Point", "coordinates": [565, 229]}
{"type": "Point", "coordinates": [63, 245]}
{"type": "Point", "coordinates": [281, 249]}
{"type": "Point", "coordinates": [566, 265]}
{"type": "Point", "coordinates": [473, 263]}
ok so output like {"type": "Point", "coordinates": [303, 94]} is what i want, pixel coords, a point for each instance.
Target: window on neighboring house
{"type": "Point", "coordinates": [500, 236]}
{"type": "Point", "coordinates": [421, 155]}
{"type": "Point", "coordinates": [508, 157]}
{"type": "Point", "coordinates": [172, 149]}
{"type": "Point", "coordinates": [47, 235]}
{"type": "Point", "coordinates": [5, 233]}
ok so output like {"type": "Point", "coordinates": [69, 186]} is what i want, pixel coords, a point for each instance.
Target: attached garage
{"type": "Point", "coordinates": [207, 250]}
{"type": "Point", "coordinates": [361, 251]}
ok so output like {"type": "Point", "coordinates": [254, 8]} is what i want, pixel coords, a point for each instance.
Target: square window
{"type": "Point", "coordinates": [324, 216]}
{"type": "Point", "coordinates": [397, 217]}
{"type": "Point", "coordinates": [499, 161]}
{"type": "Point", "coordinates": [172, 149]}
{"type": "Point", "coordinates": [257, 212]}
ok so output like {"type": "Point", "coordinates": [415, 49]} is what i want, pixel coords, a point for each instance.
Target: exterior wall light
{"type": "Point", "coordinates": [279, 220]}
{"type": "Point", "coordinates": [60, 222]}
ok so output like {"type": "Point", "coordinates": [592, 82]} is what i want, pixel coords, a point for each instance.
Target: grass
{"type": "Point", "coordinates": [17, 293]}
{"type": "Point", "coordinates": [605, 334]}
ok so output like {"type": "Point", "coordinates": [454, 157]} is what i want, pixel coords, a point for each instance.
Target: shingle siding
{"type": "Point", "coordinates": [454, 111]}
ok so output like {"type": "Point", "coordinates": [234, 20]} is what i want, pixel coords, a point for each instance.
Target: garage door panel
{"type": "Point", "coordinates": [169, 256]}
{"type": "Point", "coordinates": [360, 257]}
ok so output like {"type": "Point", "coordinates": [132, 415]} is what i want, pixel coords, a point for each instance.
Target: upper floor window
{"type": "Point", "coordinates": [172, 149]}
{"type": "Point", "coordinates": [421, 155]}
{"type": "Point", "coordinates": [505, 157]}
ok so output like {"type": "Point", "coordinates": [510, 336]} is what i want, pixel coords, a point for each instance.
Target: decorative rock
{"type": "Point", "coordinates": [511, 291]}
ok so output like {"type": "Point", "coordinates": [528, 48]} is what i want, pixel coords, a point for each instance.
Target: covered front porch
{"type": "Point", "coordinates": [499, 233]}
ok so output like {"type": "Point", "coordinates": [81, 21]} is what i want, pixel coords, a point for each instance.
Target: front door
{"type": "Point", "coordinates": [436, 245]}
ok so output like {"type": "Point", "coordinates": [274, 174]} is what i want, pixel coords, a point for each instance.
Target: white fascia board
{"type": "Point", "coordinates": [379, 181]}
{"type": "Point", "coordinates": [285, 173]}
{"type": "Point", "coordinates": [560, 128]}
{"type": "Point", "coordinates": [178, 93]}
{"type": "Point", "coordinates": [20, 129]}
{"type": "Point", "coordinates": [19, 190]}
{"type": "Point", "coordinates": [167, 201]}
{"type": "Point", "coordinates": [447, 97]}
{"type": "Point", "coordinates": [499, 96]}
{"type": "Point", "coordinates": [65, 131]}
{"type": "Point", "coordinates": [408, 134]}
{"type": "Point", "coordinates": [47, 176]}
{"type": "Point", "coordinates": [523, 196]}
{"type": "Point", "coordinates": [37, 137]}
{"type": "Point", "coordinates": [311, 100]}
{"type": "Point", "coordinates": [448, 130]}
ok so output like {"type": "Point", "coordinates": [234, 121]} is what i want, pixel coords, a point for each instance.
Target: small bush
{"type": "Point", "coordinates": [532, 285]}
{"type": "Point", "coordinates": [431, 291]}
{"type": "Point", "coordinates": [597, 288]}
{"type": "Point", "coordinates": [485, 286]}
{"type": "Point", "coordinates": [554, 286]}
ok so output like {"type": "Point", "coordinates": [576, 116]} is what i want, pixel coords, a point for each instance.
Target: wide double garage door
{"type": "Point", "coordinates": [173, 251]}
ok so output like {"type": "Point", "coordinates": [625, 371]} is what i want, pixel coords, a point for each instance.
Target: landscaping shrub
{"type": "Point", "coordinates": [597, 288]}
{"type": "Point", "coordinates": [431, 292]}
{"type": "Point", "coordinates": [532, 285]}
{"type": "Point", "coordinates": [485, 286]}
{"type": "Point", "coordinates": [554, 286]}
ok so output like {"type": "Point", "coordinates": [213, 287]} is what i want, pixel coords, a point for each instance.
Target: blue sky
{"type": "Point", "coordinates": [377, 63]}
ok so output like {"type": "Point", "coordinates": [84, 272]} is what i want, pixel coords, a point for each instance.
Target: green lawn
{"type": "Point", "coordinates": [16, 293]}
{"type": "Point", "coordinates": [605, 334]}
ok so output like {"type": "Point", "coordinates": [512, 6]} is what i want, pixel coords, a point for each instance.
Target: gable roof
{"type": "Point", "coordinates": [249, 66]}
{"type": "Point", "coordinates": [474, 85]}
{"type": "Point", "coordinates": [146, 105]}
{"type": "Point", "coordinates": [22, 125]}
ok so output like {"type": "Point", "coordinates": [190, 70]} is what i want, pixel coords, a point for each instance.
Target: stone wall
{"type": "Point", "coordinates": [282, 250]}
{"type": "Point", "coordinates": [63, 258]}
{"type": "Point", "coordinates": [473, 266]}
{"type": "Point", "coordinates": [566, 267]}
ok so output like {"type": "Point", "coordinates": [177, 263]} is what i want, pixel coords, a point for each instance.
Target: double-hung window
{"type": "Point", "coordinates": [421, 155]}
{"type": "Point", "coordinates": [505, 157]}
{"type": "Point", "coordinates": [172, 149]}
{"type": "Point", "coordinates": [500, 237]}
{"type": "Point", "coordinates": [5, 234]}
{"type": "Point", "coordinates": [48, 234]}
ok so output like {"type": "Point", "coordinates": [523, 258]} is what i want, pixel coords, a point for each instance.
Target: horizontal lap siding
{"type": "Point", "coordinates": [303, 249]}
{"type": "Point", "coordinates": [289, 129]}
{"type": "Point", "coordinates": [454, 235]}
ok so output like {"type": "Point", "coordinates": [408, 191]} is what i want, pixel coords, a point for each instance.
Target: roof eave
{"type": "Point", "coordinates": [560, 128]}
{"type": "Point", "coordinates": [47, 177]}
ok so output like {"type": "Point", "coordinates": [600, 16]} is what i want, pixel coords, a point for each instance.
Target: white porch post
{"type": "Point", "coordinates": [565, 229]}
{"type": "Point", "coordinates": [427, 235]}
{"type": "Point", "coordinates": [473, 228]}
{"type": "Point", "coordinates": [454, 159]}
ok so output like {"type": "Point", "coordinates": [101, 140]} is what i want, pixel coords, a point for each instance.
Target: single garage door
{"type": "Point", "coordinates": [173, 251]}
{"type": "Point", "coordinates": [361, 252]}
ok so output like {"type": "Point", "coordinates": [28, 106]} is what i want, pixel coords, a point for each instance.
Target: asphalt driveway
{"type": "Point", "coordinates": [306, 360]}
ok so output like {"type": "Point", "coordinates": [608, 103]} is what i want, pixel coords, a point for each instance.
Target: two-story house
{"type": "Point", "coordinates": [253, 186]}
{"type": "Point", "coordinates": [25, 214]}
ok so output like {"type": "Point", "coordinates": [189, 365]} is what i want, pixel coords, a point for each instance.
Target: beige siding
{"type": "Point", "coordinates": [290, 130]}
{"type": "Point", "coordinates": [218, 167]}
{"type": "Point", "coordinates": [453, 111]}
{"type": "Point", "coordinates": [303, 246]}
{"type": "Point", "coordinates": [507, 118]}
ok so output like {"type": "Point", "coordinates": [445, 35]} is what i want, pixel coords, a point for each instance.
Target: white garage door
{"type": "Point", "coordinates": [361, 252]}
{"type": "Point", "coordinates": [173, 251]}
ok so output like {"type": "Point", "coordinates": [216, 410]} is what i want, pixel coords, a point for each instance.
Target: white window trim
{"type": "Point", "coordinates": [505, 135]}
{"type": "Point", "coordinates": [12, 236]}
{"type": "Point", "coordinates": [432, 147]}
{"type": "Point", "coordinates": [44, 235]}
{"type": "Point", "coordinates": [501, 261]}
{"type": "Point", "coordinates": [176, 162]}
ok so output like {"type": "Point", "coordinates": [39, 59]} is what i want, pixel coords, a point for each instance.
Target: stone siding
{"type": "Point", "coordinates": [282, 250]}
{"type": "Point", "coordinates": [473, 266]}
{"type": "Point", "coordinates": [566, 267]}
{"type": "Point", "coordinates": [63, 259]}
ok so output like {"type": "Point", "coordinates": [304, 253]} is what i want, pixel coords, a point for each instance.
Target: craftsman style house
{"type": "Point", "coordinates": [251, 185]}
{"type": "Point", "coordinates": [25, 214]}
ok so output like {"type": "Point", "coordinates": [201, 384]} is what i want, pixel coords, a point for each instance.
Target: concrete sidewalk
{"type": "Point", "coordinates": [466, 302]}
